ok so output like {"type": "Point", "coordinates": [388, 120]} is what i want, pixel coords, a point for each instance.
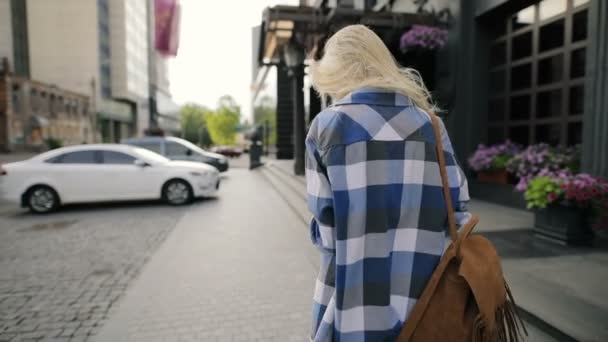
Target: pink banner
{"type": "Point", "coordinates": [167, 15]}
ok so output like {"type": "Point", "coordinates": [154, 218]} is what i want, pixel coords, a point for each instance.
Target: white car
{"type": "Point", "coordinates": [100, 173]}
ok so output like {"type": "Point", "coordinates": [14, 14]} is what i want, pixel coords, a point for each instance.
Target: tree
{"type": "Point", "coordinates": [265, 113]}
{"type": "Point", "coordinates": [223, 124]}
{"type": "Point", "coordinates": [194, 124]}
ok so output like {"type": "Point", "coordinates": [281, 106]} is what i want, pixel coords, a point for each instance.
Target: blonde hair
{"type": "Point", "coordinates": [355, 57]}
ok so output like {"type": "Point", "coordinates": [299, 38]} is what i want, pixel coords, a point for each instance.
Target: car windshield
{"type": "Point", "coordinates": [150, 156]}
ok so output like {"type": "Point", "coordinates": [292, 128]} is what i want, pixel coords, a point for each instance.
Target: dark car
{"type": "Point", "coordinates": [179, 149]}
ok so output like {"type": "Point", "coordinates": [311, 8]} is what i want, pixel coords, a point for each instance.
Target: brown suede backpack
{"type": "Point", "coordinates": [467, 297]}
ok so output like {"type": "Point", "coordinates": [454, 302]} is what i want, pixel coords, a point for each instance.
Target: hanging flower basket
{"type": "Point", "coordinates": [422, 37]}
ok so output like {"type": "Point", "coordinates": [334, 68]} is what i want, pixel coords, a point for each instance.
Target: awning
{"type": "Point", "coordinates": [307, 25]}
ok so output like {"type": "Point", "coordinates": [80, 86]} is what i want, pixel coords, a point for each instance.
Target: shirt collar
{"type": "Point", "coordinates": [374, 96]}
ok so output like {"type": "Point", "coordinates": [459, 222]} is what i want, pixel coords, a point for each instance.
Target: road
{"type": "Point", "coordinates": [61, 273]}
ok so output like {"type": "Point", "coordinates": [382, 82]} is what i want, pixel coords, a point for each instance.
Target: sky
{"type": "Point", "coordinates": [214, 56]}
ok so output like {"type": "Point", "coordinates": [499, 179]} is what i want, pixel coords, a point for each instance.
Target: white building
{"type": "Point", "coordinates": [128, 21]}
{"type": "Point", "coordinates": [96, 47]}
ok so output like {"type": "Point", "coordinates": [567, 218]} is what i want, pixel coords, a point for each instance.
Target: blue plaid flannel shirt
{"type": "Point", "coordinates": [375, 192]}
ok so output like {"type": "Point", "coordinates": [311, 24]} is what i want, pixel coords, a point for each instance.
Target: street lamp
{"type": "Point", "coordinates": [294, 60]}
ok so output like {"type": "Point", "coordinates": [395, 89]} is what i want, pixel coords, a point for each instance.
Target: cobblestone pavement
{"type": "Point", "coordinates": [61, 273]}
{"type": "Point", "coordinates": [240, 268]}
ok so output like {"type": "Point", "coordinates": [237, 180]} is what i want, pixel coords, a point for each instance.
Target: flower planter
{"type": "Point", "coordinates": [563, 224]}
{"type": "Point", "coordinates": [493, 176]}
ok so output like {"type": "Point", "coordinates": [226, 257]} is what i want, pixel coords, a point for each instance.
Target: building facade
{"type": "Point", "coordinates": [525, 70]}
{"type": "Point", "coordinates": [34, 115]}
{"type": "Point", "coordinates": [93, 53]}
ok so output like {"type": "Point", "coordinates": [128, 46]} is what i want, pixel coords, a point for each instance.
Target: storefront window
{"type": "Point", "coordinates": [549, 103]}
{"type": "Point", "coordinates": [552, 35]}
{"type": "Point", "coordinates": [578, 63]}
{"type": "Point", "coordinates": [579, 26]}
{"type": "Point", "coordinates": [521, 46]}
{"type": "Point", "coordinates": [520, 107]}
{"type": "Point", "coordinates": [521, 76]}
{"type": "Point", "coordinates": [536, 81]}
{"type": "Point", "coordinates": [550, 69]}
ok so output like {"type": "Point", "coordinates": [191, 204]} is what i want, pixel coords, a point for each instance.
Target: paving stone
{"type": "Point", "coordinates": [61, 270]}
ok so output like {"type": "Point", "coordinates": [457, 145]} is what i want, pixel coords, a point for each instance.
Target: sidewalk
{"type": "Point", "coordinates": [561, 289]}
{"type": "Point", "coordinates": [238, 268]}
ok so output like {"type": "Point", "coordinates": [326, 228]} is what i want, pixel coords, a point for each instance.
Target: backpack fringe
{"type": "Point", "coordinates": [509, 326]}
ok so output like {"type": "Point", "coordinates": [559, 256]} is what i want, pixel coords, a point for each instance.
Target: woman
{"type": "Point", "coordinates": [374, 189]}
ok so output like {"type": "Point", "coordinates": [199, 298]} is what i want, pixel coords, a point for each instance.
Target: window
{"type": "Point", "coordinates": [520, 107]}
{"type": "Point", "coordinates": [550, 69]}
{"type": "Point", "coordinates": [521, 76]}
{"type": "Point", "coordinates": [79, 157]}
{"type": "Point", "coordinates": [551, 8]}
{"type": "Point", "coordinates": [523, 18]}
{"type": "Point", "coordinates": [152, 146]}
{"type": "Point", "coordinates": [111, 157]}
{"type": "Point", "coordinates": [552, 35]}
{"type": "Point", "coordinates": [522, 46]}
{"type": "Point", "coordinates": [536, 80]}
{"type": "Point", "coordinates": [16, 99]}
{"type": "Point", "coordinates": [579, 26]}
{"type": "Point", "coordinates": [577, 99]}
{"type": "Point", "coordinates": [175, 149]}
{"type": "Point", "coordinates": [549, 104]}
{"type": "Point", "coordinates": [578, 63]}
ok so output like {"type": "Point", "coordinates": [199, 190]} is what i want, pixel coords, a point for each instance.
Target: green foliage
{"type": "Point", "coordinates": [194, 125]}
{"type": "Point", "coordinates": [224, 122]}
{"type": "Point", "coordinates": [265, 112]}
{"type": "Point", "coordinates": [53, 143]}
{"type": "Point", "coordinates": [542, 191]}
{"type": "Point", "coordinates": [500, 161]}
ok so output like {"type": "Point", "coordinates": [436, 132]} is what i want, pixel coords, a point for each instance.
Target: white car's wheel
{"type": "Point", "coordinates": [177, 192]}
{"type": "Point", "coordinates": [42, 199]}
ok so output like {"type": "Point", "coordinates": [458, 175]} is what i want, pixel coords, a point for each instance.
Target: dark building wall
{"type": "Point", "coordinates": [464, 83]}
{"type": "Point", "coordinates": [284, 115]}
{"type": "Point", "coordinates": [595, 122]}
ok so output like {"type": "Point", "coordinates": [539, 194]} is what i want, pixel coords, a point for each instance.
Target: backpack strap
{"type": "Point", "coordinates": [444, 179]}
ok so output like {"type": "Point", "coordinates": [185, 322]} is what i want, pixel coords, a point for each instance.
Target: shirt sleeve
{"type": "Point", "coordinates": [320, 199]}
{"type": "Point", "coordinates": [457, 180]}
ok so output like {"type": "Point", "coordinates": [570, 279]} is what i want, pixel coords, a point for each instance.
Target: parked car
{"type": "Point", "coordinates": [228, 151]}
{"type": "Point", "coordinates": [179, 149]}
{"type": "Point", "coordinates": [100, 173]}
